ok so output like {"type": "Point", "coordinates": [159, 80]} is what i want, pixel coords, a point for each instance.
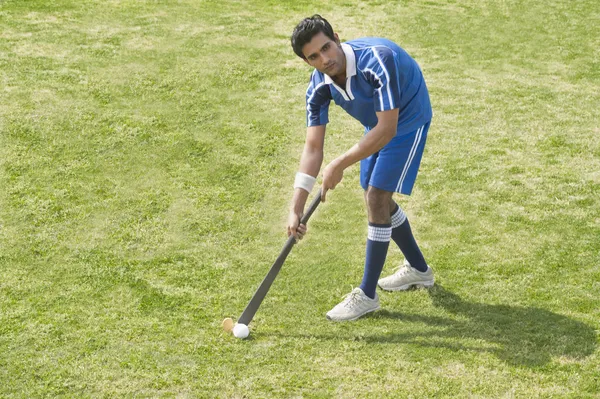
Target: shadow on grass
{"type": "Point", "coordinates": [520, 336]}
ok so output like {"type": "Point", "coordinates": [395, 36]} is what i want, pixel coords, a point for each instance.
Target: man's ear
{"type": "Point", "coordinates": [337, 38]}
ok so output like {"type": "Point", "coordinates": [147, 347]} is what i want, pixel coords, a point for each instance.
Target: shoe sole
{"type": "Point", "coordinates": [356, 317]}
{"type": "Point", "coordinates": [406, 287]}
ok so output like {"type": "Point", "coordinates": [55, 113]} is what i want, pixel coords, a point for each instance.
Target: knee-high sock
{"type": "Point", "coordinates": [403, 237]}
{"type": "Point", "coordinates": [378, 243]}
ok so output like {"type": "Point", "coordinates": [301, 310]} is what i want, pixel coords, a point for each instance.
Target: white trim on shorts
{"type": "Point", "coordinates": [411, 156]}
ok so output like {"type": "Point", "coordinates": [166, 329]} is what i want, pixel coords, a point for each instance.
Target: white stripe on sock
{"type": "Point", "coordinates": [398, 218]}
{"type": "Point", "coordinates": [381, 234]}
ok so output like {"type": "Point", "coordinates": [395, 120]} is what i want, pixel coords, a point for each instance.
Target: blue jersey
{"type": "Point", "coordinates": [380, 76]}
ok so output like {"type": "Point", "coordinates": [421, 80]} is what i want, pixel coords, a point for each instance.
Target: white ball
{"type": "Point", "coordinates": [240, 331]}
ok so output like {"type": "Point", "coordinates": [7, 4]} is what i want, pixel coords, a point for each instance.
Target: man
{"type": "Point", "coordinates": [381, 86]}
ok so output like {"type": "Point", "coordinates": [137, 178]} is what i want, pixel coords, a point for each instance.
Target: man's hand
{"type": "Point", "coordinates": [370, 143]}
{"type": "Point", "coordinates": [332, 175]}
{"type": "Point", "coordinates": [294, 228]}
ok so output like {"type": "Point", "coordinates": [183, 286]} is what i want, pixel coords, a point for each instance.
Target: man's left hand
{"type": "Point", "coordinates": [332, 175]}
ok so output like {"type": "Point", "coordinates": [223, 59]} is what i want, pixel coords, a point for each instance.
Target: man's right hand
{"type": "Point", "coordinates": [294, 228]}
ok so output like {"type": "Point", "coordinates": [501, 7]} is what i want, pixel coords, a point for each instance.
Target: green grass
{"type": "Point", "coordinates": [147, 149]}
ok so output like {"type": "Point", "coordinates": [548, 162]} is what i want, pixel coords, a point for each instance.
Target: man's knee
{"type": "Point", "coordinates": [377, 196]}
{"type": "Point", "coordinates": [378, 202]}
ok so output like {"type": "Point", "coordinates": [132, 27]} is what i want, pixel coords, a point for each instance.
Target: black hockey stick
{"type": "Point", "coordinates": [263, 289]}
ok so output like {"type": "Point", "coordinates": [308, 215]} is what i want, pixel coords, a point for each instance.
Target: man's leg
{"type": "Point", "coordinates": [396, 169]}
{"type": "Point", "coordinates": [415, 272]}
{"type": "Point", "coordinates": [403, 237]}
{"type": "Point", "coordinates": [363, 299]}
{"type": "Point", "coordinates": [378, 241]}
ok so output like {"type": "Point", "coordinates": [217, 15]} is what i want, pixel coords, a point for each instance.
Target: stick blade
{"type": "Point", "coordinates": [227, 324]}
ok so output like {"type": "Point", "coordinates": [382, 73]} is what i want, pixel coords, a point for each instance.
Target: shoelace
{"type": "Point", "coordinates": [403, 269]}
{"type": "Point", "coordinates": [351, 298]}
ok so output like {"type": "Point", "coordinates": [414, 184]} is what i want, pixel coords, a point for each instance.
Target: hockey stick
{"type": "Point", "coordinates": [264, 287]}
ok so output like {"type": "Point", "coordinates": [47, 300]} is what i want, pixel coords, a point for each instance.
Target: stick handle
{"type": "Point", "coordinates": [311, 209]}
{"type": "Point", "coordinates": [264, 287]}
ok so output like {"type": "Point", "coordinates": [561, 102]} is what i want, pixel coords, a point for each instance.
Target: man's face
{"type": "Point", "coordinates": [325, 54]}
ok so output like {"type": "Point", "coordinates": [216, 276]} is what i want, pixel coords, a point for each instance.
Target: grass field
{"type": "Point", "coordinates": [147, 150]}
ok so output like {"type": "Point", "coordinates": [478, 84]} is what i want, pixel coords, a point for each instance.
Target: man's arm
{"type": "Point", "coordinates": [375, 140]}
{"type": "Point", "coordinates": [310, 163]}
{"type": "Point", "coordinates": [369, 144]}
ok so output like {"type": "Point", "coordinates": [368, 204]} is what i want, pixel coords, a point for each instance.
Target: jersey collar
{"type": "Point", "coordinates": [350, 64]}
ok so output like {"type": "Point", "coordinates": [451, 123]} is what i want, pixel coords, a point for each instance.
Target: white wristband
{"type": "Point", "coordinates": [304, 181]}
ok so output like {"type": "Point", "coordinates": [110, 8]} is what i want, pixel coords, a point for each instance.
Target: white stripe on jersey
{"type": "Point", "coordinates": [309, 86]}
{"type": "Point", "coordinates": [387, 76]}
{"type": "Point", "coordinates": [308, 102]}
{"type": "Point", "coordinates": [380, 85]}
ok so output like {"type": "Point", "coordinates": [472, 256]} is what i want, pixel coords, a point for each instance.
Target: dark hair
{"type": "Point", "coordinates": [306, 29]}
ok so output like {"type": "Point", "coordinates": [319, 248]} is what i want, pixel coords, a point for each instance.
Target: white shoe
{"type": "Point", "coordinates": [354, 305]}
{"type": "Point", "coordinates": [407, 277]}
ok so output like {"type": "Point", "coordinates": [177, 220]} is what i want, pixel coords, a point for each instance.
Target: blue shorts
{"type": "Point", "coordinates": [394, 168]}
